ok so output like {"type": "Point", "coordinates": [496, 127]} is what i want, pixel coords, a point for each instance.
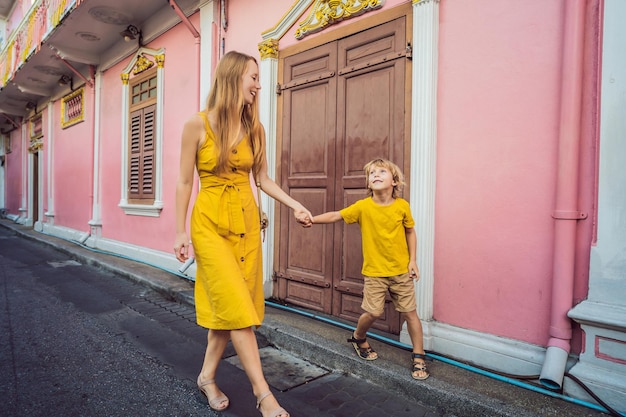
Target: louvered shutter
{"type": "Point", "coordinates": [141, 164]}
{"type": "Point", "coordinates": [147, 157]}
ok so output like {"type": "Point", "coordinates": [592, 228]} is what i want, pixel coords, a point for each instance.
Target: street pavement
{"type": "Point", "coordinates": [86, 333]}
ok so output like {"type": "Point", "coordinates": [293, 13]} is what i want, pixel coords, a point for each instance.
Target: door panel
{"type": "Point", "coordinates": [343, 105]}
{"type": "Point", "coordinates": [304, 276]}
{"type": "Point", "coordinates": [370, 114]}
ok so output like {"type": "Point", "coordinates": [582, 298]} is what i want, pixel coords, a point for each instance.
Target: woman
{"type": "Point", "coordinates": [226, 142]}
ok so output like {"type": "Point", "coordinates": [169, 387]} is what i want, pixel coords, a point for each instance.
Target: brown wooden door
{"type": "Point", "coordinates": [343, 105]}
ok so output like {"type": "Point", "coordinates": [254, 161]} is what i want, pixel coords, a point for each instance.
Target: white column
{"type": "Point", "coordinates": [207, 41]}
{"type": "Point", "coordinates": [268, 70]}
{"type": "Point", "coordinates": [424, 145]}
{"type": "Point", "coordinates": [96, 214]}
{"type": "Point", "coordinates": [50, 164]}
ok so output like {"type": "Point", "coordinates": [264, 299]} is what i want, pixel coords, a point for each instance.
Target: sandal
{"type": "Point", "coordinates": [274, 413]}
{"type": "Point", "coordinates": [419, 366]}
{"type": "Point", "coordinates": [219, 403]}
{"type": "Point", "coordinates": [365, 353]}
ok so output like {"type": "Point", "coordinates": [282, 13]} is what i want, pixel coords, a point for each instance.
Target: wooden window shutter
{"type": "Point", "coordinates": [141, 164]}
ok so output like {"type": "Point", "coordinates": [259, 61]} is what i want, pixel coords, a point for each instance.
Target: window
{"type": "Point", "coordinates": [141, 137]}
{"type": "Point", "coordinates": [72, 108]}
{"type": "Point", "coordinates": [142, 134]}
{"type": "Point", "coordinates": [36, 127]}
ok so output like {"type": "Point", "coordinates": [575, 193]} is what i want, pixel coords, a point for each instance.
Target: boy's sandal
{"type": "Point", "coordinates": [365, 353]}
{"type": "Point", "coordinates": [419, 370]}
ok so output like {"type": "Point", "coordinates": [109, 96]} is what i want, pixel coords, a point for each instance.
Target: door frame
{"type": "Point", "coordinates": [403, 11]}
{"type": "Point", "coordinates": [378, 18]}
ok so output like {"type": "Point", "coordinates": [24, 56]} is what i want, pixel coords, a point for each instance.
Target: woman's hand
{"type": "Point", "coordinates": [181, 247]}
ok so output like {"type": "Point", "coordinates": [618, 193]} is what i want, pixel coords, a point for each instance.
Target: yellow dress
{"type": "Point", "coordinates": [226, 240]}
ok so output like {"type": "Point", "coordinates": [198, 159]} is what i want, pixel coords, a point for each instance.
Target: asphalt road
{"type": "Point", "coordinates": [80, 341]}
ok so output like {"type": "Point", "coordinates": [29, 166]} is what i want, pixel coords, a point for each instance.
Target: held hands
{"type": "Point", "coordinates": [303, 216]}
{"type": "Point", "coordinates": [414, 271]}
{"type": "Point", "coordinates": [181, 247]}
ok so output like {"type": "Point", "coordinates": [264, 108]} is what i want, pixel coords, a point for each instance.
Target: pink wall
{"type": "Point", "coordinates": [13, 174]}
{"type": "Point", "coordinates": [499, 89]}
{"type": "Point", "coordinates": [252, 18]}
{"type": "Point", "coordinates": [180, 75]}
{"type": "Point", "coordinates": [73, 160]}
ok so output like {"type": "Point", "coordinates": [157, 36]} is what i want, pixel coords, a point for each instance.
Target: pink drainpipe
{"type": "Point", "coordinates": [196, 36]}
{"type": "Point", "coordinates": [566, 201]}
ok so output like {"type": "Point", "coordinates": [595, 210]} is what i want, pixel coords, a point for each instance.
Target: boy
{"type": "Point", "coordinates": [389, 245]}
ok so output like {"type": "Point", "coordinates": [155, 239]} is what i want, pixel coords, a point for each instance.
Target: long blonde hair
{"type": "Point", "coordinates": [395, 171]}
{"type": "Point", "coordinates": [227, 103]}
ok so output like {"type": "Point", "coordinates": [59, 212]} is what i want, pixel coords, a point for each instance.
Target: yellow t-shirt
{"type": "Point", "coordinates": [385, 249]}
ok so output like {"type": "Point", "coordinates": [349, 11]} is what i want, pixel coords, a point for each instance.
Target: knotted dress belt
{"type": "Point", "coordinates": [230, 215]}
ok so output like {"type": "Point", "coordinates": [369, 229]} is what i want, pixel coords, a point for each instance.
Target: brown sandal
{"type": "Point", "coordinates": [365, 353]}
{"type": "Point", "coordinates": [419, 366]}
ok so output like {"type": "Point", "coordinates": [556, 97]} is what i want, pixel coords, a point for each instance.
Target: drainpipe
{"type": "Point", "coordinates": [196, 36]}
{"type": "Point", "coordinates": [566, 199]}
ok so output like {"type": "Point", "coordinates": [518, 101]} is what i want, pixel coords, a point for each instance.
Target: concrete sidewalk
{"type": "Point", "coordinates": [453, 390]}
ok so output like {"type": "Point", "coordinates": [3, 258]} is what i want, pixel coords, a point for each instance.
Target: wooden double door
{"type": "Point", "coordinates": [343, 104]}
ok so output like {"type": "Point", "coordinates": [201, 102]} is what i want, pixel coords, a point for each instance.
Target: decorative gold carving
{"type": "Point", "coordinates": [328, 12]}
{"type": "Point", "coordinates": [142, 64]}
{"type": "Point", "coordinates": [160, 60]}
{"type": "Point", "coordinates": [35, 146]}
{"type": "Point", "coordinates": [269, 49]}
{"type": "Point", "coordinates": [125, 77]}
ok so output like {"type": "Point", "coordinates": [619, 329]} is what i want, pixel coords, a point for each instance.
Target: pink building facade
{"type": "Point", "coordinates": [511, 135]}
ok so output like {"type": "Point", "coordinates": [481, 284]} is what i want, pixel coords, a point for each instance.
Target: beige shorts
{"type": "Point", "coordinates": [401, 289]}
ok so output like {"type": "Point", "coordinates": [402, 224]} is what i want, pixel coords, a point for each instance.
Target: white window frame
{"type": "Point", "coordinates": [154, 209]}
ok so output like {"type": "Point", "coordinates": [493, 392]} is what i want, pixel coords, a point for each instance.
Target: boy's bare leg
{"type": "Point", "coordinates": [363, 325]}
{"type": "Point", "coordinates": [416, 333]}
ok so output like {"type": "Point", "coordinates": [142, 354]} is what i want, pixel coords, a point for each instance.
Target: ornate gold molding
{"type": "Point", "coordinates": [269, 49]}
{"type": "Point", "coordinates": [35, 146]}
{"type": "Point", "coordinates": [328, 12]}
{"type": "Point", "coordinates": [125, 77]}
{"type": "Point", "coordinates": [160, 60]}
{"type": "Point", "coordinates": [142, 64]}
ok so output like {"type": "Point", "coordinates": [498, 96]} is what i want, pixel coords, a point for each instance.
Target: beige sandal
{"type": "Point", "coordinates": [219, 403]}
{"type": "Point", "coordinates": [274, 413]}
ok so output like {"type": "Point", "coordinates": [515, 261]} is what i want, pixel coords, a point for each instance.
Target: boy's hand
{"type": "Point", "coordinates": [414, 271]}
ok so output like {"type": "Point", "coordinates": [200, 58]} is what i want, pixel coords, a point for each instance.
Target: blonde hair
{"type": "Point", "coordinates": [396, 173]}
{"type": "Point", "coordinates": [227, 103]}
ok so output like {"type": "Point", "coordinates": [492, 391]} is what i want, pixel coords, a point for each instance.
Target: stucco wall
{"type": "Point", "coordinates": [498, 116]}
{"type": "Point", "coordinates": [13, 173]}
{"type": "Point", "coordinates": [73, 161]}
{"type": "Point", "coordinates": [180, 73]}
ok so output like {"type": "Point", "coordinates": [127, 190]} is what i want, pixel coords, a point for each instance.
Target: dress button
{"type": "Point", "coordinates": [234, 150]}
{"type": "Point", "coordinates": [241, 235]}
{"type": "Point", "coordinates": [234, 169]}
{"type": "Point", "coordinates": [241, 259]}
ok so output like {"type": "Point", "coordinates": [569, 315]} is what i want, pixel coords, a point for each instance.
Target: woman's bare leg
{"type": "Point", "coordinates": [247, 349]}
{"type": "Point", "coordinates": [216, 343]}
